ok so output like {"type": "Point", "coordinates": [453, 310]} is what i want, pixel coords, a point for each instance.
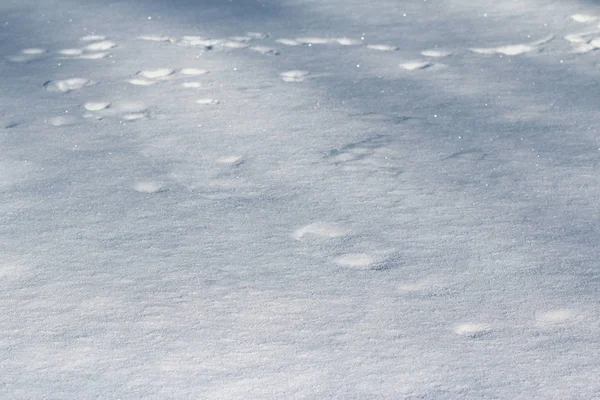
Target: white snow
{"type": "Point", "coordinates": [402, 204]}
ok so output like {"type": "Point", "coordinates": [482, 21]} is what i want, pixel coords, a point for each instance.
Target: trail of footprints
{"type": "Point", "coordinates": [95, 47]}
{"type": "Point", "coordinates": [369, 155]}
{"type": "Point", "coordinates": [549, 320]}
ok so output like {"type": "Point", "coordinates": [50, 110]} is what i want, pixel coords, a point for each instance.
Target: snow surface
{"type": "Point", "coordinates": [286, 199]}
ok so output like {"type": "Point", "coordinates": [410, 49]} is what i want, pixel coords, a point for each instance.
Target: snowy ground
{"type": "Point", "coordinates": [299, 199]}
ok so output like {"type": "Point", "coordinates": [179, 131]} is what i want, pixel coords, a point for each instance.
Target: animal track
{"type": "Point", "coordinates": [371, 155]}
{"type": "Point", "coordinates": [294, 76]}
{"type": "Point", "coordinates": [362, 261]}
{"type": "Point", "coordinates": [413, 65]}
{"type": "Point", "coordinates": [158, 73]}
{"type": "Point", "coordinates": [514, 49]}
{"type": "Point", "coordinates": [100, 46]}
{"type": "Point", "coordinates": [583, 18]}
{"type": "Point", "coordinates": [193, 71]}
{"type": "Point", "coordinates": [207, 101]}
{"type": "Point", "coordinates": [96, 105]}
{"type": "Point", "coordinates": [472, 330]}
{"type": "Point", "coordinates": [148, 187]}
{"type": "Point", "coordinates": [436, 53]}
{"type": "Point", "coordinates": [67, 85]}
{"type": "Point", "coordinates": [229, 160]}
{"type": "Point", "coordinates": [382, 47]}
{"type": "Point", "coordinates": [93, 38]}
{"type": "Point", "coordinates": [320, 229]}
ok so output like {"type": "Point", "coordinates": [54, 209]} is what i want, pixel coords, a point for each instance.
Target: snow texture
{"type": "Point", "coordinates": [299, 199]}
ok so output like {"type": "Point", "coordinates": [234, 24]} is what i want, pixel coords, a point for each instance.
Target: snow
{"type": "Point", "coordinates": [346, 218]}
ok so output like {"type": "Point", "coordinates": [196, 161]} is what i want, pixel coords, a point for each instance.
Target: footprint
{"type": "Point", "coordinates": [371, 156]}
{"type": "Point", "coordinates": [583, 18]}
{"type": "Point", "coordinates": [472, 330]}
{"type": "Point", "coordinates": [158, 73]}
{"type": "Point", "coordinates": [230, 160]}
{"type": "Point", "coordinates": [200, 41]}
{"type": "Point", "coordinates": [34, 51]}
{"type": "Point", "coordinates": [361, 261]}
{"type": "Point", "coordinates": [67, 85]}
{"type": "Point", "coordinates": [62, 121]}
{"type": "Point", "coordinates": [148, 187]}
{"type": "Point", "coordinates": [320, 229]}
{"type": "Point", "coordinates": [515, 49]}
{"type": "Point", "coordinates": [257, 35]}
{"type": "Point", "coordinates": [193, 71]}
{"type": "Point", "coordinates": [70, 52]}
{"type": "Point", "coordinates": [27, 55]}
{"type": "Point", "coordinates": [265, 51]}
{"type": "Point", "coordinates": [289, 42]}
{"type": "Point", "coordinates": [94, 56]}
{"type": "Point", "coordinates": [231, 44]}
{"type": "Point", "coordinates": [192, 85]}
{"type": "Point", "coordinates": [294, 75]}
{"type": "Point", "coordinates": [382, 47]}
{"type": "Point", "coordinates": [413, 65]}
{"type": "Point", "coordinates": [101, 46]}
{"type": "Point", "coordinates": [133, 116]}
{"type": "Point", "coordinates": [156, 38]}
{"type": "Point", "coordinates": [315, 40]}
{"type": "Point", "coordinates": [141, 82]}
{"type": "Point", "coordinates": [96, 105]}
{"type": "Point", "coordinates": [582, 42]}
{"type": "Point", "coordinates": [244, 39]}
{"type": "Point", "coordinates": [348, 42]}
{"type": "Point", "coordinates": [436, 53]}
{"type": "Point", "coordinates": [555, 317]}
{"type": "Point", "coordinates": [207, 101]}
{"type": "Point", "coordinates": [93, 38]}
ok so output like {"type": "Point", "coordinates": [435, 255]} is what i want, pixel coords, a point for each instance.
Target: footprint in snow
{"type": "Point", "coordinates": [93, 38]}
{"type": "Point", "coordinates": [67, 85]}
{"type": "Point", "coordinates": [206, 102]}
{"type": "Point", "coordinates": [192, 85]}
{"type": "Point", "coordinates": [436, 53]}
{"type": "Point", "coordinates": [151, 76]}
{"type": "Point", "coordinates": [193, 71]}
{"type": "Point", "coordinates": [320, 229]}
{"type": "Point", "coordinates": [472, 330]}
{"type": "Point", "coordinates": [584, 42]}
{"type": "Point", "coordinates": [414, 65]}
{"type": "Point", "coordinates": [156, 38]}
{"type": "Point", "coordinates": [100, 46]}
{"type": "Point", "coordinates": [70, 52]}
{"type": "Point", "coordinates": [265, 51]}
{"type": "Point", "coordinates": [96, 105]}
{"type": "Point", "coordinates": [363, 262]}
{"type": "Point", "coordinates": [149, 187]}
{"type": "Point", "coordinates": [561, 317]}
{"type": "Point", "coordinates": [289, 42]}
{"type": "Point", "coordinates": [583, 18]}
{"type": "Point", "coordinates": [230, 160]}
{"type": "Point", "coordinates": [158, 73]}
{"type": "Point", "coordinates": [514, 49]}
{"type": "Point", "coordinates": [27, 55]}
{"type": "Point", "coordinates": [315, 40]}
{"type": "Point", "coordinates": [124, 110]}
{"type": "Point", "coordinates": [94, 56]}
{"type": "Point", "coordinates": [382, 47]}
{"type": "Point", "coordinates": [294, 76]}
